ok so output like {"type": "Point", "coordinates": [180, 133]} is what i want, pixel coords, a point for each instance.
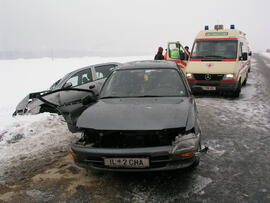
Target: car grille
{"type": "Point", "coordinates": [209, 77]}
{"type": "Point", "coordinates": [131, 139]}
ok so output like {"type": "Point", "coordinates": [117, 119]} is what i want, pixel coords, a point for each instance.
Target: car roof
{"type": "Point", "coordinates": [83, 68]}
{"type": "Point", "coordinates": [148, 64]}
{"type": "Point", "coordinates": [94, 65]}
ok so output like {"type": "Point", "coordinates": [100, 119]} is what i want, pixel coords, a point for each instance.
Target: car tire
{"type": "Point", "coordinates": [237, 92]}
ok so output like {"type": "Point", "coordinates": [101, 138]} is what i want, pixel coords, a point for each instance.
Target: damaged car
{"type": "Point", "coordinates": [145, 119]}
{"type": "Point", "coordinates": [91, 77]}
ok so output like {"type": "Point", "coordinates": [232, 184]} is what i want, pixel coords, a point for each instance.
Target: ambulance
{"type": "Point", "coordinates": [219, 61]}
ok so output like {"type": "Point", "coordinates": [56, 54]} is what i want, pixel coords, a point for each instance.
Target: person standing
{"type": "Point", "coordinates": [187, 50]}
{"type": "Point", "coordinates": [159, 55]}
{"type": "Point", "coordinates": [187, 55]}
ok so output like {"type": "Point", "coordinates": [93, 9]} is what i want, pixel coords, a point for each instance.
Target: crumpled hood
{"type": "Point", "coordinates": [136, 114]}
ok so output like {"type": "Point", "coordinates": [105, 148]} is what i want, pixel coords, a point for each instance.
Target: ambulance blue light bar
{"type": "Point", "coordinates": [232, 26]}
{"type": "Point", "coordinates": [206, 27]}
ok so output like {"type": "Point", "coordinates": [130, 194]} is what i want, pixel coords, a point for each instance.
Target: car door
{"type": "Point", "coordinates": [177, 53]}
{"type": "Point", "coordinates": [68, 101]}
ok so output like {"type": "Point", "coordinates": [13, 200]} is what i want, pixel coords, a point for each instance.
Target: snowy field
{"type": "Point", "coordinates": [35, 137]}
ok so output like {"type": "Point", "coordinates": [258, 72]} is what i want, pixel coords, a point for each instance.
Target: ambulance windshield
{"type": "Point", "coordinates": [216, 49]}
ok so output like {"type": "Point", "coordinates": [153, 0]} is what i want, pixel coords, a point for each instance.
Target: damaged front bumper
{"type": "Point", "coordinates": [160, 158]}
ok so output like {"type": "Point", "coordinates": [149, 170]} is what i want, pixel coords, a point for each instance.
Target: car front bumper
{"type": "Point", "coordinates": [160, 158]}
{"type": "Point", "coordinates": [197, 85]}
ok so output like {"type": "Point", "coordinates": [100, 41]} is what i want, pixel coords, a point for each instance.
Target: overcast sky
{"type": "Point", "coordinates": [124, 26]}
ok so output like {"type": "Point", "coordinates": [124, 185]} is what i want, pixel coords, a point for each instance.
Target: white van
{"type": "Point", "coordinates": [219, 61]}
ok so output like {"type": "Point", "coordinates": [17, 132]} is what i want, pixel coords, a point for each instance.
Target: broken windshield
{"type": "Point", "coordinates": [221, 49]}
{"type": "Point", "coordinates": [144, 83]}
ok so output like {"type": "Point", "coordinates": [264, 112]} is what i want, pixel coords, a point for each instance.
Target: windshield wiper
{"type": "Point", "coordinates": [213, 56]}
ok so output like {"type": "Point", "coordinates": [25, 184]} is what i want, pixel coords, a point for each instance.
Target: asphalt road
{"type": "Point", "coordinates": [236, 168]}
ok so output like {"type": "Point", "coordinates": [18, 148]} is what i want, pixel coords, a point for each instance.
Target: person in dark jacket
{"type": "Point", "coordinates": [159, 55]}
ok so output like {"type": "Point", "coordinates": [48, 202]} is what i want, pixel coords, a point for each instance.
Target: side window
{"type": "Point", "coordinates": [74, 80]}
{"type": "Point", "coordinates": [183, 55]}
{"type": "Point", "coordinates": [103, 71]}
{"type": "Point", "coordinates": [80, 78]}
{"type": "Point", "coordinates": [241, 48]}
{"type": "Point", "coordinates": [174, 51]}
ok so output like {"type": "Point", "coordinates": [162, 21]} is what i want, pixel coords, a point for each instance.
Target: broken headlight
{"type": "Point", "coordinates": [186, 142]}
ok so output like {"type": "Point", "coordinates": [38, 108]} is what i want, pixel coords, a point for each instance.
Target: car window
{"type": "Point", "coordinates": [104, 71]}
{"type": "Point", "coordinates": [80, 78]}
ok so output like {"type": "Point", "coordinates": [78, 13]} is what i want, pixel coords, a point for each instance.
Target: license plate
{"type": "Point", "coordinates": [208, 88]}
{"type": "Point", "coordinates": [127, 162]}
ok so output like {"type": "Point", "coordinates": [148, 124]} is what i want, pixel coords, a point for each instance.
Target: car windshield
{"type": "Point", "coordinates": [225, 49]}
{"type": "Point", "coordinates": [54, 85]}
{"type": "Point", "coordinates": [144, 83]}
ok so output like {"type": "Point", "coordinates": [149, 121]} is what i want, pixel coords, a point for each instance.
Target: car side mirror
{"type": "Point", "coordinates": [67, 85]}
{"type": "Point", "coordinates": [89, 99]}
{"type": "Point", "coordinates": [250, 53]}
{"type": "Point", "coordinates": [244, 56]}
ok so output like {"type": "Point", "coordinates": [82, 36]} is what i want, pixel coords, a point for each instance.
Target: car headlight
{"type": "Point", "coordinates": [189, 75]}
{"type": "Point", "coordinates": [229, 76]}
{"type": "Point", "coordinates": [185, 142]}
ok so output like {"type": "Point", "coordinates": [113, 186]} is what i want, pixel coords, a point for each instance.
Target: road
{"type": "Point", "coordinates": [236, 168]}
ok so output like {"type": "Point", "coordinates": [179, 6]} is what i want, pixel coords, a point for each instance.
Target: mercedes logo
{"type": "Point", "coordinates": [208, 77]}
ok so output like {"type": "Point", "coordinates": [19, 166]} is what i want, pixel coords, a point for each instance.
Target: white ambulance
{"type": "Point", "coordinates": [219, 61]}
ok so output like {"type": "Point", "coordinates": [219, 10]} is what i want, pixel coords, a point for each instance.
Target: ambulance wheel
{"type": "Point", "coordinates": [236, 93]}
{"type": "Point", "coordinates": [245, 81]}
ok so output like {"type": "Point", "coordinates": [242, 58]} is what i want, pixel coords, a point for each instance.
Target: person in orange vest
{"type": "Point", "coordinates": [159, 55]}
{"type": "Point", "coordinates": [165, 55]}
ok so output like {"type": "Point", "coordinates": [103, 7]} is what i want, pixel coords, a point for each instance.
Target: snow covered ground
{"type": "Point", "coordinates": [25, 138]}
{"type": "Point", "coordinates": [266, 55]}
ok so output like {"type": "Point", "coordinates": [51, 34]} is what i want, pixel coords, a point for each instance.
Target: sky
{"type": "Point", "coordinates": [124, 27]}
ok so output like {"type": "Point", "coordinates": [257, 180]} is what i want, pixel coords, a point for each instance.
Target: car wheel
{"type": "Point", "coordinates": [236, 93]}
